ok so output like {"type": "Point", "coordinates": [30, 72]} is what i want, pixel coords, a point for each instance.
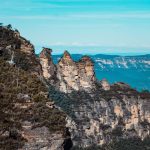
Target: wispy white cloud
{"type": "Point", "coordinates": [76, 44]}
{"type": "Point", "coordinates": [129, 15]}
{"type": "Point", "coordinates": [87, 44]}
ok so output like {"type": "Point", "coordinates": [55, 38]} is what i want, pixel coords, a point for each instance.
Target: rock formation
{"type": "Point", "coordinates": [67, 73]}
{"type": "Point", "coordinates": [105, 85]}
{"type": "Point", "coordinates": [12, 45]}
{"type": "Point", "coordinates": [28, 119]}
{"type": "Point", "coordinates": [86, 73]}
{"type": "Point", "coordinates": [70, 75]}
{"type": "Point", "coordinates": [97, 112]}
{"type": "Point", "coordinates": [48, 67]}
{"type": "Point", "coordinates": [100, 121]}
{"type": "Point", "coordinates": [100, 113]}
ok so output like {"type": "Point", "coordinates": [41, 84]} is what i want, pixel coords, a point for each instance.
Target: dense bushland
{"type": "Point", "coordinates": [23, 98]}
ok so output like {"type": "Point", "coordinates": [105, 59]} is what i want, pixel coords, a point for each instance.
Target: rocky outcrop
{"type": "Point", "coordinates": [105, 85]}
{"type": "Point", "coordinates": [68, 75]}
{"type": "Point", "coordinates": [48, 67]}
{"type": "Point", "coordinates": [11, 39]}
{"type": "Point", "coordinates": [29, 119]}
{"type": "Point", "coordinates": [18, 51]}
{"type": "Point", "coordinates": [98, 112]}
{"type": "Point", "coordinates": [40, 138]}
{"type": "Point", "coordinates": [86, 73]}
{"type": "Point", "coordinates": [75, 75]}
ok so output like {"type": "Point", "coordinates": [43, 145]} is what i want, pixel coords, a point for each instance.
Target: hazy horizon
{"type": "Point", "coordinates": [93, 50]}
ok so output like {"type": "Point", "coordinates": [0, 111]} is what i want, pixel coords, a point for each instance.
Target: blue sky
{"type": "Point", "coordinates": [82, 26]}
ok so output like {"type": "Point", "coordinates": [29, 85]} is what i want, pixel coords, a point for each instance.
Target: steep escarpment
{"type": "Point", "coordinates": [107, 116]}
{"type": "Point", "coordinates": [99, 113]}
{"type": "Point", "coordinates": [28, 118]}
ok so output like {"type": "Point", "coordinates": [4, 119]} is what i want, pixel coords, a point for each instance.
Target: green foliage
{"type": "Point", "coordinates": [30, 106]}
{"type": "Point", "coordinates": [129, 144]}
{"type": "Point", "coordinates": [1, 24]}
{"type": "Point", "coordinates": [123, 144]}
{"type": "Point", "coordinates": [93, 147]}
{"type": "Point", "coordinates": [9, 26]}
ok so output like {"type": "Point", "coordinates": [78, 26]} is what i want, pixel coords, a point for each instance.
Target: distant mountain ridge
{"type": "Point", "coordinates": [134, 70]}
{"type": "Point", "coordinates": [116, 61]}
{"type": "Point", "coordinates": [124, 62]}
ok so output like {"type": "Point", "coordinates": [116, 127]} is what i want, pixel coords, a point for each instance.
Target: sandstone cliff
{"type": "Point", "coordinates": [102, 118]}
{"type": "Point", "coordinates": [48, 67]}
{"type": "Point", "coordinates": [98, 112]}
{"type": "Point", "coordinates": [39, 99]}
{"type": "Point", "coordinates": [70, 75]}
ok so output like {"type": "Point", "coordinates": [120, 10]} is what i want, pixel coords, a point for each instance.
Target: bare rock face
{"type": "Point", "coordinates": [99, 121]}
{"type": "Point", "coordinates": [75, 75]}
{"type": "Point", "coordinates": [67, 73]}
{"type": "Point", "coordinates": [86, 72]}
{"type": "Point", "coordinates": [105, 85]}
{"type": "Point", "coordinates": [48, 67]}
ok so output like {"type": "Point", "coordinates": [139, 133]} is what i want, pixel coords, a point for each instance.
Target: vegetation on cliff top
{"type": "Point", "coordinates": [23, 98]}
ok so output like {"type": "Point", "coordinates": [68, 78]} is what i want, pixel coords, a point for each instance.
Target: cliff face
{"type": "Point", "coordinates": [99, 112]}
{"type": "Point", "coordinates": [67, 74]}
{"type": "Point", "coordinates": [48, 67]}
{"type": "Point", "coordinates": [70, 75]}
{"type": "Point", "coordinates": [12, 39]}
{"type": "Point", "coordinates": [86, 73]}
{"type": "Point", "coordinates": [28, 118]}
{"type": "Point", "coordinates": [113, 115]}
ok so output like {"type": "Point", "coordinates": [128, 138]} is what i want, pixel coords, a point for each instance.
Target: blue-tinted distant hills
{"type": "Point", "coordinates": [134, 70]}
